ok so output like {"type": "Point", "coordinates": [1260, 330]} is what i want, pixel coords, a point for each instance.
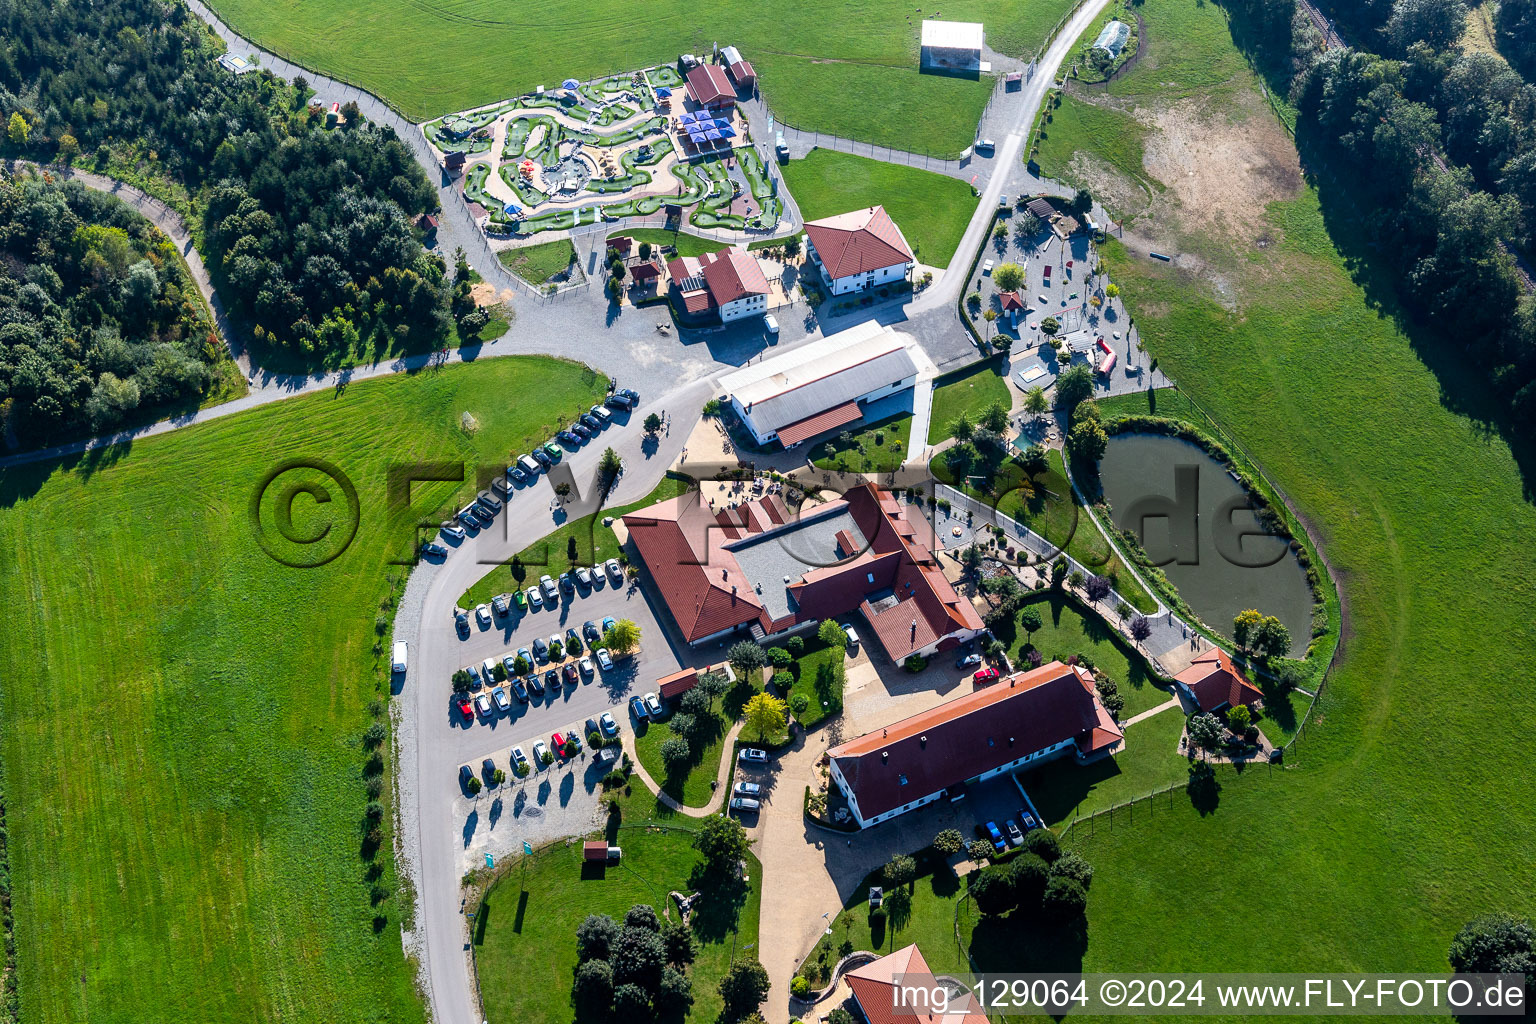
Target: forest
{"type": "Point", "coordinates": [1449, 138]}
{"type": "Point", "coordinates": [306, 230]}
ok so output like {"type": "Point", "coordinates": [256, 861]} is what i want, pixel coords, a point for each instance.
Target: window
{"type": "Point", "coordinates": [903, 779]}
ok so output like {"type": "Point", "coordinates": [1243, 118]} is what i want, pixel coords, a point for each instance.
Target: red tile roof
{"type": "Point", "coordinates": [731, 275]}
{"type": "Point", "coordinates": [819, 423]}
{"type": "Point", "coordinates": [678, 683]}
{"type": "Point", "coordinates": [709, 87]}
{"type": "Point", "coordinates": [742, 72]}
{"type": "Point", "coordinates": [650, 270]}
{"type": "Point", "coordinates": [1216, 682]}
{"type": "Point", "coordinates": [859, 242]}
{"type": "Point", "coordinates": [875, 986]}
{"type": "Point", "coordinates": [975, 733]}
{"type": "Point", "coordinates": [1011, 300]}
{"type": "Point", "coordinates": [621, 244]}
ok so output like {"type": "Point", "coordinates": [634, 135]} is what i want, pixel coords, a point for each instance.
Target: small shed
{"type": "Point", "coordinates": [678, 683]}
{"type": "Point", "coordinates": [594, 849]}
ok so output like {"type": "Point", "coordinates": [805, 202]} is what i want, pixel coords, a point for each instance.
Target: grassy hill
{"type": "Point", "coordinates": [184, 716]}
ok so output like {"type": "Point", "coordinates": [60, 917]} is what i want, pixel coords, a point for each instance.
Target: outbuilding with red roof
{"type": "Point", "coordinates": [709, 87]}
{"type": "Point", "coordinates": [1213, 682]}
{"type": "Point", "coordinates": [858, 251]}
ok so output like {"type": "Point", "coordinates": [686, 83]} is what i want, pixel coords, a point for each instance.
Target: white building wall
{"type": "Point", "coordinates": [864, 282]}
{"type": "Point", "coordinates": [747, 305]}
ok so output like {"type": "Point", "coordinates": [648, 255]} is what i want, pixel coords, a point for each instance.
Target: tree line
{"type": "Point", "coordinates": [1449, 137]}
{"type": "Point", "coordinates": [306, 228]}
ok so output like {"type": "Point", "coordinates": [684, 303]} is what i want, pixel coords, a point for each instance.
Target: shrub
{"type": "Point", "coordinates": [948, 842]}
{"type": "Point", "coordinates": [978, 850]}
{"type": "Point", "coordinates": [1072, 865]}
{"type": "Point", "coordinates": [915, 663]}
{"type": "Point", "coordinates": [473, 785]}
{"type": "Point", "coordinates": [800, 987]}
{"type": "Point", "coordinates": [782, 681]}
{"type": "Point", "coordinates": [798, 703]}
{"type": "Point", "coordinates": [1064, 899]}
{"type": "Point", "coordinates": [796, 645]}
{"type": "Point", "coordinates": [778, 657]}
{"type": "Point", "coordinates": [900, 869]}
{"type": "Point", "coordinates": [675, 753]}
{"type": "Point", "coordinates": [992, 889]}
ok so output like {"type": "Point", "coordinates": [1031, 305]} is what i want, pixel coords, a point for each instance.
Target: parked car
{"type": "Point", "coordinates": [490, 501]}
{"type": "Point", "coordinates": [519, 691]}
{"type": "Point", "coordinates": [540, 648]}
{"type": "Point", "coordinates": [554, 452]}
{"type": "Point", "coordinates": [996, 837]}
{"type": "Point", "coordinates": [534, 686]}
{"type": "Point", "coordinates": [466, 709]}
{"type": "Point", "coordinates": [629, 393]}
{"type": "Point", "coordinates": [582, 431]}
{"type": "Point", "coordinates": [590, 727]}
{"type": "Point", "coordinates": [432, 549]}
{"type": "Point", "coordinates": [591, 422]}
{"type": "Point", "coordinates": [548, 585]}
{"type": "Point", "coordinates": [752, 755]}
{"type": "Point", "coordinates": [483, 614]}
{"type": "Point", "coordinates": [523, 652]}
{"type": "Point", "coordinates": [600, 414]}
{"type": "Point", "coordinates": [539, 750]}
{"type": "Point", "coordinates": [591, 632]}
{"type": "Point", "coordinates": [520, 599]}
{"type": "Point", "coordinates": [552, 680]}
{"type": "Point", "coordinates": [456, 532]}
{"type": "Point", "coordinates": [483, 705]}
{"type": "Point", "coordinates": [983, 676]}
{"type": "Point", "coordinates": [770, 323]}
{"type": "Point", "coordinates": [852, 635]}
{"type": "Point", "coordinates": [1029, 820]}
{"type": "Point", "coordinates": [1015, 834]}
{"type": "Point", "coordinates": [986, 145]}
{"type": "Point", "coordinates": [574, 742]}
{"type": "Point", "coordinates": [567, 584]}
{"type": "Point", "coordinates": [584, 576]}
{"type": "Point", "coordinates": [653, 704]}
{"type": "Point", "coordinates": [507, 661]}
{"type": "Point", "coordinates": [967, 660]}
{"type": "Point", "coordinates": [488, 670]}
{"type": "Point", "coordinates": [986, 267]}
{"type": "Point", "coordinates": [465, 774]}
{"type": "Point", "coordinates": [474, 677]}
{"type": "Point", "coordinates": [745, 788]}
{"type": "Point", "coordinates": [608, 623]}
{"type": "Point", "coordinates": [488, 769]}
{"type": "Point", "coordinates": [517, 758]}
{"type": "Point", "coordinates": [503, 702]}
{"type": "Point", "coordinates": [586, 667]}
{"type": "Point", "coordinates": [637, 708]}
{"type": "Point", "coordinates": [745, 803]}
{"type": "Point", "coordinates": [501, 604]}
{"type": "Point", "coordinates": [557, 744]}
{"type": "Point", "coordinates": [569, 438]}
{"type": "Point", "coordinates": [461, 622]}
{"type": "Point", "coordinates": [607, 725]}
{"type": "Point", "coordinates": [604, 659]}
{"type": "Point", "coordinates": [569, 674]}
{"type": "Point", "coordinates": [535, 598]}
{"type": "Point", "coordinates": [572, 642]}
{"type": "Point", "coordinates": [542, 458]}
{"type": "Point", "coordinates": [517, 474]}
{"type": "Point", "coordinates": [618, 400]}
{"type": "Point", "coordinates": [529, 465]}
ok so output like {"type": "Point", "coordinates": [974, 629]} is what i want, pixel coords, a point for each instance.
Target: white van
{"type": "Point", "coordinates": [400, 657]}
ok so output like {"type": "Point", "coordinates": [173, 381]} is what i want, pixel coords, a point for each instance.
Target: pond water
{"type": "Point", "coordinates": [1191, 518]}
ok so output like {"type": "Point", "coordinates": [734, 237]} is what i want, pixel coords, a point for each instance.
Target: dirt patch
{"type": "Point", "coordinates": [1116, 191]}
{"type": "Point", "coordinates": [1222, 171]}
{"type": "Point", "coordinates": [485, 295]}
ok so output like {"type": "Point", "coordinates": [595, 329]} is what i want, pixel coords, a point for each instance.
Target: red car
{"type": "Point", "coordinates": [466, 709]}
{"type": "Point", "coordinates": [985, 676]}
{"type": "Point", "coordinates": [557, 744]}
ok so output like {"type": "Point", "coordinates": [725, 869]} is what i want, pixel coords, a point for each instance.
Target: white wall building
{"type": "Point", "coordinates": [859, 250]}
{"type": "Point", "coordinates": [952, 46]}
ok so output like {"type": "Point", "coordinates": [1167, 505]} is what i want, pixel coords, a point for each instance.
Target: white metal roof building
{"type": "Point", "coordinates": [952, 45]}
{"type": "Point", "coordinates": [821, 386]}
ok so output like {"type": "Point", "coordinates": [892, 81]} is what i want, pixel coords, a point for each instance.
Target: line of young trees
{"type": "Point", "coordinates": [1403, 97]}
{"type": "Point", "coordinates": [308, 228]}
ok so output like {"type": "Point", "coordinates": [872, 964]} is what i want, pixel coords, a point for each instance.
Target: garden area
{"type": "Point", "coordinates": [878, 448]}
{"type": "Point", "coordinates": [967, 392]}
{"type": "Point", "coordinates": [525, 934]}
{"type": "Point", "coordinates": [809, 676]}
{"type": "Point", "coordinates": [696, 726]}
{"type": "Point", "coordinates": [932, 210]}
{"type": "Point", "coordinates": [1150, 762]}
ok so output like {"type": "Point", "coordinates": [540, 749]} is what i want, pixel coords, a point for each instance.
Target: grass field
{"type": "Point", "coordinates": [849, 67]}
{"type": "Point", "coordinates": [538, 263]}
{"type": "Point", "coordinates": [525, 942]}
{"type": "Point", "coordinates": [885, 445]}
{"type": "Point", "coordinates": [184, 715]}
{"type": "Point", "coordinates": [930, 209]}
{"type": "Point", "coordinates": [686, 244]}
{"type": "Point", "coordinates": [819, 677]}
{"type": "Point", "coordinates": [1406, 808]}
{"type": "Point", "coordinates": [969, 391]}
{"type": "Point", "coordinates": [690, 785]}
{"type": "Point", "coordinates": [1066, 630]}
{"type": "Point", "coordinates": [1078, 127]}
{"type": "Point", "coordinates": [1150, 762]}
{"type": "Point", "coordinates": [594, 543]}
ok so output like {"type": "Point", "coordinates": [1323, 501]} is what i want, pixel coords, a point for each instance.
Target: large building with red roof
{"type": "Point", "coordinates": [858, 251]}
{"type": "Point", "coordinates": [1021, 721]}
{"type": "Point", "coordinates": [763, 571]}
{"type": "Point", "coordinates": [1214, 682]}
{"type": "Point", "coordinates": [709, 87]}
{"type": "Point", "coordinates": [725, 285]}
{"type": "Point", "coordinates": [891, 990]}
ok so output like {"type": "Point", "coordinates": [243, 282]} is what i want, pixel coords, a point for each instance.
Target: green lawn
{"type": "Point", "coordinates": [690, 785]}
{"type": "Point", "coordinates": [849, 67]}
{"type": "Point", "coordinates": [819, 677]}
{"type": "Point", "coordinates": [1111, 136]}
{"type": "Point", "coordinates": [1406, 809]}
{"type": "Point", "coordinates": [538, 263]}
{"type": "Point", "coordinates": [931, 209]}
{"type": "Point", "coordinates": [1067, 630]}
{"type": "Point", "coordinates": [595, 543]}
{"type": "Point", "coordinates": [187, 774]}
{"type": "Point", "coordinates": [1150, 762]}
{"type": "Point", "coordinates": [686, 244]}
{"type": "Point", "coordinates": [885, 447]}
{"type": "Point", "coordinates": [525, 936]}
{"type": "Point", "coordinates": [969, 391]}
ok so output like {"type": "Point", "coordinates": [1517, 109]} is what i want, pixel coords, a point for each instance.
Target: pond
{"type": "Point", "coordinates": [1191, 517]}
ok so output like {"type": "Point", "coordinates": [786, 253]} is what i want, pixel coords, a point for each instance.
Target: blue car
{"type": "Point", "coordinates": [608, 624]}
{"type": "Point", "coordinates": [996, 837]}
{"type": "Point", "coordinates": [569, 438]}
{"type": "Point", "coordinates": [516, 473]}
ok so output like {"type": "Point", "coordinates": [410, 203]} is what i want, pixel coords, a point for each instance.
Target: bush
{"type": "Point", "coordinates": [798, 703]}
{"type": "Point", "coordinates": [675, 753]}
{"type": "Point", "coordinates": [992, 889]}
{"type": "Point", "coordinates": [778, 657]}
{"type": "Point", "coordinates": [800, 987]}
{"type": "Point", "coordinates": [1064, 900]}
{"type": "Point", "coordinates": [1072, 865]}
{"type": "Point", "coordinates": [978, 850]}
{"type": "Point", "coordinates": [948, 842]}
{"type": "Point", "coordinates": [900, 870]}
{"type": "Point", "coordinates": [782, 681]}
{"type": "Point", "coordinates": [473, 785]}
{"type": "Point", "coordinates": [796, 645]}
{"type": "Point", "coordinates": [915, 663]}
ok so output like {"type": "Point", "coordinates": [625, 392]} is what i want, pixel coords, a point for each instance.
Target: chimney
{"type": "Point", "coordinates": [922, 741]}
{"type": "Point", "coordinates": [885, 755]}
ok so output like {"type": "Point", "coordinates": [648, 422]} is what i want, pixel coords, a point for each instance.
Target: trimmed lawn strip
{"type": "Point", "coordinates": [159, 747]}
{"type": "Point", "coordinates": [595, 543]}
{"type": "Point", "coordinates": [969, 391]}
{"type": "Point", "coordinates": [692, 788]}
{"type": "Point", "coordinates": [1067, 630]}
{"type": "Point", "coordinates": [881, 456]}
{"type": "Point", "coordinates": [819, 676]}
{"type": "Point", "coordinates": [931, 209]}
{"type": "Point", "coordinates": [1150, 763]}
{"type": "Point", "coordinates": [538, 263]}
{"type": "Point", "coordinates": [525, 936]}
